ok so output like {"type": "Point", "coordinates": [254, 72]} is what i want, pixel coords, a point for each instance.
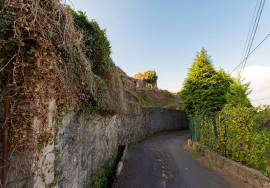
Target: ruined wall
{"type": "Point", "coordinates": [85, 142]}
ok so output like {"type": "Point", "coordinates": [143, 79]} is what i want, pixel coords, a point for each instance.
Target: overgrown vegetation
{"type": "Point", "coordinates": [163, 99]}
{"type": "Point", "coordinates": [222, 117]}
{"type": "Point", "coordinates": [42, 67]}
{"type": "Point", "coordinates": [96, 45]}
{"type": "Point", "coordinates": [108, 88]}
{"type": "Point", "coordinates": [237, 94]}
{"type": "Point", "coordinates": [49, 60]}
{"type": "Point", "coordinates": [197, 152]}
{"type": "Point", "coordinates": [53, 60]}
{"type": "Point", "coordinates": [237, 133]}
{"type": "Point", "coordinates": [104, 176]}
{"type": "Point", "coordinates": [149, 78]}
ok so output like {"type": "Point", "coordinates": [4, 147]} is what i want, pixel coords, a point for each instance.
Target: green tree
{"type": "Point", "coordinates": [149, 77]}
{"type": "Point", "coordinates": [237, 94]}
{"type": "Point", "coordinates": [204, 88]}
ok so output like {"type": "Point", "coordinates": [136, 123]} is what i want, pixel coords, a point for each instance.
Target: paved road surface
{"type": "Point", "coordinates": [161, 162]}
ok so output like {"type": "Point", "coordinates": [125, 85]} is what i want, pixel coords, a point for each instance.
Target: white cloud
{"type": "Point", "coordinates": [259, 78]}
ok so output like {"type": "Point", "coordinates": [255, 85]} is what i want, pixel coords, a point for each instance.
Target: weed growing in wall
{"type": "Point", "coordinates": [103, 177]}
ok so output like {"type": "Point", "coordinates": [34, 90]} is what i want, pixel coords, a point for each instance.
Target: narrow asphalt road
{"type": "Point", "coordinates": [160, 162]}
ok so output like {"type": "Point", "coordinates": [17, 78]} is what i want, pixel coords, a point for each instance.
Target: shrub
{"type": "Point", "coordinates": [96, 45]}
{"type": "Point", "coordinates": [239, 133]}
{"type": "Point", "coordinates": [103, 177]}
{"type": "Point", "coordinates": [237, 94]}
{"type": "Point", "coordinates": [106, 92]}
{"type": "Point", "coordinates": [149, 77]}
{"type": "Point", "coordinates": [197, 152]}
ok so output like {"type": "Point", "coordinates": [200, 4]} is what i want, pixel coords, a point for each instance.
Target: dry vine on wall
{"type": "Point", "coordinates": [41, 67]}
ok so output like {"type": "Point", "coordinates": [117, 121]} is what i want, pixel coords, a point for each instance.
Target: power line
{"type": "Point", "coordinates": [251, 52]}
{"type": "Point", "coordinates": [249, 31]}
{"type": "Point", "coordinates": [254, 23]}
{"type": "Point", "coordinates": [255, 28]}
{"type": "Point", "coordinates": [260, 99]}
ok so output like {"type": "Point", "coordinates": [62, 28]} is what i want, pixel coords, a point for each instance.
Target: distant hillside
{"type": "Point", "coordinates": [147, 97]}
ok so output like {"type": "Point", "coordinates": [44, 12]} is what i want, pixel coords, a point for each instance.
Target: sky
{"type": "Point", "coordinates": [165, 35]}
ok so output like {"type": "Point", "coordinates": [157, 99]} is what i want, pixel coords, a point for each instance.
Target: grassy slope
{"type": "Point", "coordinates": [156, 98]}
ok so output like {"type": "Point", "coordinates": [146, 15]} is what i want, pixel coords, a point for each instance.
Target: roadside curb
{"type": "Point", "coordinates": [120, 164]}
{"type": "Point", "coordinates": [217, 162]}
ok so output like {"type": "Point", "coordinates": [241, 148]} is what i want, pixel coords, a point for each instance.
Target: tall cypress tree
{"type": "Point", "coordinates": [204, 89]}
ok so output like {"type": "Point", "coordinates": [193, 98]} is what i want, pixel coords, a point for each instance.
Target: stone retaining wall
{"type": "Point", "coordinates": [85, 142]}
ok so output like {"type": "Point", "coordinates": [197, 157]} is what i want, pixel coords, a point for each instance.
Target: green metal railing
{"type": "Point", "coordinates": [195, 125]}
{"type": "Point", "coordinates": [194, 128]}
